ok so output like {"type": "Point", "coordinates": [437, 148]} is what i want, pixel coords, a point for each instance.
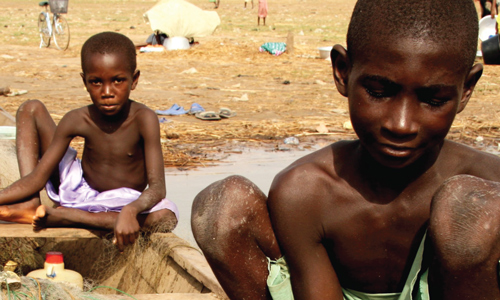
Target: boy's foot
{"type": "Point", "coordinates": [46, 216]}
{"type": "Point", "coordinates": [18, 213]}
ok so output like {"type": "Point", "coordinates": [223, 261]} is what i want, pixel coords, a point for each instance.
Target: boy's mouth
{"type": "Point", "coordinates": [109, 106]}
{"type": "Point", "coordinates": [396, 151]}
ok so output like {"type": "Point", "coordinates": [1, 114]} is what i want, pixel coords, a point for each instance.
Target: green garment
{"type": "Point", "coordinates": [280, 286]}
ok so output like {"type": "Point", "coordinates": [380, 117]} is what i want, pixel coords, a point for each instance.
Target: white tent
{"type": "Point", "coordinates": [179, 18]}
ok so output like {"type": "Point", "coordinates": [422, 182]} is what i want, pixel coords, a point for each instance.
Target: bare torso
{"type": "Point", "coordinates": [370, 224]}
{"type": "Point", "coordinates": [114, 157]}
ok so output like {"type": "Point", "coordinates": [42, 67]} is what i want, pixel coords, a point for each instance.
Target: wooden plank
{"type": "Point", "coordinates": [26, 230]}
{"type": "Point", "coordinates": [176, 296]}
{"type": "Point", "coordinates": [193, 261]}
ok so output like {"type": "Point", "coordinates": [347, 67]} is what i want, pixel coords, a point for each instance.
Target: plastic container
{"type": "Point", "coordinates": [58, 6]}
{"type": "Point", "coordinates": [487, 28]}
{"type": "Point", "coordinates": [324, 52]}
{"type": "Point", "coordinates": [7, 132]}
{"type": "Point", "coordinates": [54, 270]}
{"type": "Point", "coordinates": [176, 43]}
{"type": "Point", "coordinates": [491, 50]}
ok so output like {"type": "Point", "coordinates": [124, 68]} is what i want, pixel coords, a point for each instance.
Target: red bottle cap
{"type": "Point", "coordinates": [54, 257]}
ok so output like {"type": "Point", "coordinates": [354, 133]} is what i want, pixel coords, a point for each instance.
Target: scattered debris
{"type": "Point", "coordinates": [347, 125]}
{"type": "Point", "coordinates": [190, 71]}
{"type": "Point", "coordinates": [243, 98]}
{"type": "Point", "coordinates": [322, 128]}
{"type": "Point", "coordinates": [291, 140]}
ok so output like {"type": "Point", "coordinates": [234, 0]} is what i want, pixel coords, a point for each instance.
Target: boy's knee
{"type": "Point", "coordinates": [224, 208]}
{"type": "Point", "coordinates": [465, 221]}
{"type": "Point", "coordinates": [163, 220]}
{"type": "Point", "coordinates": [29, 107]}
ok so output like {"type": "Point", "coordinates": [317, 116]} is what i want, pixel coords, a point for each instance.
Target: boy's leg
{"type": "Point", "coordinates": [46, 217]}
{"type": "Point", "coordinates": [164, 220]}
{"type": "Point", "coordinates": [35, 130]}
{"type": "Point", "coordinates": [231, 224]}
{"type": "Point", "coordinates": [465, 233]}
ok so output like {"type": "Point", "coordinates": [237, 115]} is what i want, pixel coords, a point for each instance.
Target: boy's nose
{"type": "Point", "coordinates": [106, 90]}
{"type": "Point", "coordinates": [400, 121]}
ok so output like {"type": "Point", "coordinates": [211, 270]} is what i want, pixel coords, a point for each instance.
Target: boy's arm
{"type": "Point", "coordinates": [36, 180]}
{"type": "Point", "coordinates": [296, 204]}
{"type": "Point", "coordinates": [127, 226]}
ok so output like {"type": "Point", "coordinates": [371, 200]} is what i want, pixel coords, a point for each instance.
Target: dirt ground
{"type": "Point", "coordinates": [274, 96]}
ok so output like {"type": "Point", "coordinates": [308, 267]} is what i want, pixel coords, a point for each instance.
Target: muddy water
{"type": "Point", "coordinates": [260, 166]}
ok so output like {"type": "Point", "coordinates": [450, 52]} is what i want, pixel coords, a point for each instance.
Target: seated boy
{"type": "Point", "coordinates": [119, 184]}
{"type": "Point", "coordinates": [352, 219]}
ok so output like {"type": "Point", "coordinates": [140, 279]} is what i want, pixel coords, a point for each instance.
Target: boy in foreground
{"type": "Point", "coordinates": [400, 213]}
{"type": "Point", "coordinates": [119, 184]}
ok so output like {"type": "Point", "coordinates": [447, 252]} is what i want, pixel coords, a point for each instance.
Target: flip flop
{"type": "Point", "coordinates": [174, 110]}
{"type": "Point", "coordinates": [208, 116]}
{"type": "Point", "coordinates": [195, 108]}
{"type": "Point", "coordinates": [225, 112]}
{"type": "Point", "coordinates": [14, 92]}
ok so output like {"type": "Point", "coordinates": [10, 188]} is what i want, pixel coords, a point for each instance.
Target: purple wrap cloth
{"type": "Point", "coordinates": [75, 192]}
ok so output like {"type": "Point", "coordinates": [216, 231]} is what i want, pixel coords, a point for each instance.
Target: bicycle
{"type": "Point", "coordinates": [57, 28]}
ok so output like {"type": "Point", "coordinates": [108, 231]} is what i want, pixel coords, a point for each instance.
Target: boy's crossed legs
{"type": "Point", "coordinates": [231, 225]}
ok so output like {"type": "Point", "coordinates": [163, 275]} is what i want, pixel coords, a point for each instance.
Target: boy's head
{"type": "Point", "coordinates": [110, 43]}
{"type": "Point", "coordinates": [407, 71]}
{"type": "Point", "coordinates": [452, 23]}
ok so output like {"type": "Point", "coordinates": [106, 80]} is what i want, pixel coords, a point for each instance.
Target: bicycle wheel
{"type": "Point", "coordinates": [44, 30]}
{"type": "Point", "coordinates": [61, 32]}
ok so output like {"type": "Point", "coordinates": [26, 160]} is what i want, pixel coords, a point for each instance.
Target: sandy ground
{"type": "Point", "coordinates": [291, 94]}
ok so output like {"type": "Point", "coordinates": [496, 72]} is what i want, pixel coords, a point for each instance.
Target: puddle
{"type": "Point", "coordinates": [258, 165]}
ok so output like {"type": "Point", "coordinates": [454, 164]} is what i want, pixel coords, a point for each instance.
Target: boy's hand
{"type": "Point", "coordinates": [126, 228]}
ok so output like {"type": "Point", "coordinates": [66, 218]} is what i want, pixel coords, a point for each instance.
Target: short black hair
{"type": "Point", "coordinates": [110, 42]}
{"type": "Point", "coordinates": [452, 22]}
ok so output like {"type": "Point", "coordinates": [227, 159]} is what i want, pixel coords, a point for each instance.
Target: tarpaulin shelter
{"type": "Point", "coordinates": [179, 18]}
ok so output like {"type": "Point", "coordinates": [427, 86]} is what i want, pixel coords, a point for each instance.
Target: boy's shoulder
{"type": "Point", "coordinates": [140, 108]}
{"type": "Point", "coordinates": [318, 168]}
{"type": "Point", "coordinates": [462, 159]}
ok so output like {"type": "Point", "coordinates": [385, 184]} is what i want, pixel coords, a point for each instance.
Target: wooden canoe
{"type": "Point", "coordinates": [166, 267]}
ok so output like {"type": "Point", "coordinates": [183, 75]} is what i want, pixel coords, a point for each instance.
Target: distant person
{"type": "Point", "coordinates": [246, 1]}
{"type": "Point", "coordinates": [119, 184]}
{"type": "Point", "coordinates": [492, 10]}
{"type": "Point", "coordinates": [262, 13]}
{"type": "Point", "coordinates": [400, 213]}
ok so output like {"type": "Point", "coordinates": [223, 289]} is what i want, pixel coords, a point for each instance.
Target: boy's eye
{"type": "Point", "coordinates": [94, 82]}
{"type": "Point", "coordinates": [432, 98]}
{"type": "Point", "coordinates": [435, 102]}
{"type": "Point", "coordinates": [380, 88]}
{"type": "Point", "coordinates": [119, 80]}
{"type": "Point", "coordinates": [375, 93]}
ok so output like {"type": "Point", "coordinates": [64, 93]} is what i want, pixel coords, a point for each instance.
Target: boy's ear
{"type": "Point", "coordinates": [83, 77]}
{"type": "Point", "coordinates": [469, 85]}
{"type": "Point", "coordinates": [135, 78]}
{"type": "Point", "coordinates": [341, 66]}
